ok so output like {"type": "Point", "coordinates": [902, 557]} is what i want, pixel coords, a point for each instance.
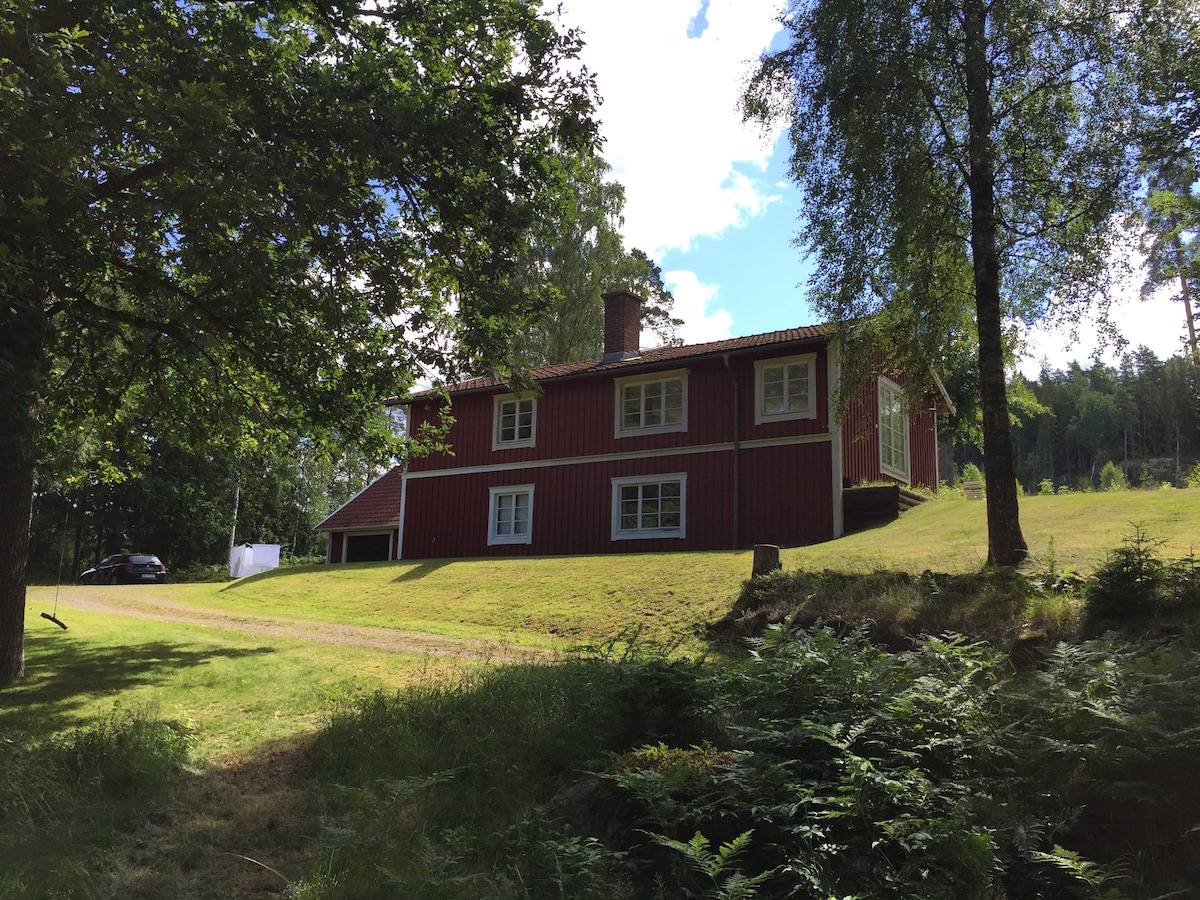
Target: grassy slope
{"type": "Point", "coordinates": [232, 684]}
{"type": "Point", "coordinates": [244, 694]}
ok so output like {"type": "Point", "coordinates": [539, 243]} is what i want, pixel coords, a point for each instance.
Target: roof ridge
{"type": "Point", "coordinates": [665, 353]}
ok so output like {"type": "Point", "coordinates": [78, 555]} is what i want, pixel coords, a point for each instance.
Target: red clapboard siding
{"type": "Point", "coordinates": [787, 494]}
{"type": "Point", "coordinates": [575, 417]}
{"type": "Point", "coordinates": [447, 516]}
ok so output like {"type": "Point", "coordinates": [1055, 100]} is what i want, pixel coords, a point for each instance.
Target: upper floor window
{"type": "Point", "coordinates": [510, 515]}
{"type": "Point", "coordinates": [649, 507]}
{"type": "Point", "coordinates": [783, 389]}
{"type": "Point", "coordinates": [651, 405]}
{"type": "Point", "coordinates": [514, 421]}
{"type": "Point", "coordinates": [893, 430]}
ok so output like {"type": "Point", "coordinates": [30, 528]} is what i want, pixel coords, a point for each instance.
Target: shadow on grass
{"type": "Point", "coordinates": [422, 569]}
{"type": "Point", "coordinates": [64, 674]}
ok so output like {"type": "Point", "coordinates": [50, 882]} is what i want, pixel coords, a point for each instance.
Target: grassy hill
{"type": "Point", "coordinates": [560, 601]}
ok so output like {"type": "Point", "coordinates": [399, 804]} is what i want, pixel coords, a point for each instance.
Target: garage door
{"type": "Point", "coordinates": [367, 547]}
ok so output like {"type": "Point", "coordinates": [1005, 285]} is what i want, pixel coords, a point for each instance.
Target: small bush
{"type": "Point", "coordinates": [1112, 478]}
{"type": "Point", "coordinates": [1134, 590]}
{"type": "Point", "coordinates": [1045, 488]}
{"type": "Point", "coordinates": [1192, 478]}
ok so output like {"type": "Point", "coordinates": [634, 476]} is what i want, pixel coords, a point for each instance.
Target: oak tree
{"type": "Point", "coordinates": [258, 215]}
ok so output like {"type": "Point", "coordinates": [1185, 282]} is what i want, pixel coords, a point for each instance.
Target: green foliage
{"type": "Point", "coordinates": [972, 472]}
{"type": "Point", "coordinates": [79, 786]}
{"type": "Point", "coordinates": [1135, 589]}
{"type": "Point", "coordinates": [463, 771]}
{"type": "Point", "coordinates": [1192, 479]}
{"type": "Point", "coordinates": [716, 864]}
{"type": "Point", "coordinates": [255, 219]}
{"type": "Point", "coordinates": [1144, 412]}
{"type": "Point", "coordinates": [575, 256]}
{"type": "Point", "coordinates": [995, 605]}
{"type": "Point", "coordinates": [1112, 478]}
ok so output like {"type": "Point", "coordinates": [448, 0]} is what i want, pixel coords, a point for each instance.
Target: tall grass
{"type": "Point", "coordinates": [440, 790]}
{"type": "Point", "coordinates": [822, 764]}
{"type": "Point", "coordinates": [80, 788]}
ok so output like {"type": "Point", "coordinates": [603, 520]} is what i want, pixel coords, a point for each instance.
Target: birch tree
{"type": "Point", "coordinates": [961, 164]}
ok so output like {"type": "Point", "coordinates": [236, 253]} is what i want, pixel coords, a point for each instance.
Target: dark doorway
{"type": "Point", "coordinates": [367, 547]}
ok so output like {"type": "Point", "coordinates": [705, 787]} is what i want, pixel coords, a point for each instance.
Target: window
{"type": "Point", "coordinates": [652, 405]}
{"type": "Point", "coordinates": [510, 519]}
{"type": "Point", "coordinates": [649, 507]}
{"type": "Point", "coordinates": [893, 430]}
{"type": "Point", "coordinates": [514, 421]}
{"type": "Point", "coordinates": [783, 389]}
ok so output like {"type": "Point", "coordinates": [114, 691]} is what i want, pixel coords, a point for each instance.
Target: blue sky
{"type": "Point", "coordinates": [707, 196]}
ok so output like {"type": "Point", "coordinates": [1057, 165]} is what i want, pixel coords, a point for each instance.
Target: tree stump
{"type": "Point", "coordinates": [766, 559]}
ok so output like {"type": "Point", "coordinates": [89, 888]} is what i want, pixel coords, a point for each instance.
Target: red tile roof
{"type": "Point", "coordinates": [649, 357]}
{"type": "Point", "coordinates": [375, 506]}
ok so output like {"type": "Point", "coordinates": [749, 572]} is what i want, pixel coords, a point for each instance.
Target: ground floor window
{"type": "Point", "coordinates": [649, 507]}
{"type": "Point", "coordinates": [510, 520]}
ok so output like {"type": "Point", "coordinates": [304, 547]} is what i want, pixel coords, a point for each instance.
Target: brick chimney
{"type": "Point", "coordinates": [622, 325]}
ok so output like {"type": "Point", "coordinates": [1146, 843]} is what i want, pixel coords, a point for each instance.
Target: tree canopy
{"type": "Point", "coordinates": [265, 215]}
{"type": "Point", "coordinates": [961, 165]}
{"type": "Point", "coordinates": [576, 256]}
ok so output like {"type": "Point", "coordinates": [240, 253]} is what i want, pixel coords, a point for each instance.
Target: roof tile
{"type": "Point", "coordinates": [375, 506]}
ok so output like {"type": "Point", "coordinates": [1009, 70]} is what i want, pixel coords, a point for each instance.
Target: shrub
{"type": "Point", "coordinates": [1192, 478]}
{"type": "Point", "coordinates": [972, 472]}
{"type": "Point", "coordinates": [1046, 487]}
{"type": "Point", "coordinates": [1112, 478]}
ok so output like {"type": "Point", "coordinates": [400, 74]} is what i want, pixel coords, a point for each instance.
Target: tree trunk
{"type": "Point", "coordinates": [22, 345]}
{"type": "Point", "coordinates": [1006, 545]}
{"type": "Point", "coordinates": [16, 486]}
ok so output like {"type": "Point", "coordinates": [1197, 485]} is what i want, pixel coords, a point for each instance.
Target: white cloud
{"type": "Point", "coordinates": [1159, 322]}
{"type": "Point", "coordinates": [673, 134]}
{"type": "Point", "coordinates": [692, 301]}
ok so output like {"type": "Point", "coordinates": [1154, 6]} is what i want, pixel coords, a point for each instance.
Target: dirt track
{"type": "Point", "coordinates": [145, 602]}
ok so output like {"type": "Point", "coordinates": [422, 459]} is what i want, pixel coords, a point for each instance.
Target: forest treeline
{"type": "Point", "coordinates": [1143, 416]}
{"type": "Point", "coordinates": [183, 506]}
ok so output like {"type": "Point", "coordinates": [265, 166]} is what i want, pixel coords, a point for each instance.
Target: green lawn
{"type": "Point", "coordinates": [241, 688]}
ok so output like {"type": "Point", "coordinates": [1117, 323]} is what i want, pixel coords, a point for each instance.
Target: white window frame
{"type": "Point", "coordinates": [634, 534]}
{"type": "Point", "coordinates": [761, 417]}
{"type": "Point", "coordinates": [495, 538]}
{"type": "Point", "coordinates": [895, 395]}
{"type": "Point", "coordinates": [498, 402]}
{"type": "Point", "coordinates": [619, 429]}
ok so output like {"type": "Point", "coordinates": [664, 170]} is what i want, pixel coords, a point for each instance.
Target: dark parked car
{"type": "Point", "coordinates": [126, 568]}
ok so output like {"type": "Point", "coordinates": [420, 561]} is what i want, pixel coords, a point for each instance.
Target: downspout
{"type": "Point", "coordinates": [834, 362]}
{"type": "Point", "coordinates": [737, 448]}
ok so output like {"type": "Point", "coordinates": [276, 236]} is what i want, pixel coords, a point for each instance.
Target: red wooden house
{"type": "Point", "coordinates": [711, 446]}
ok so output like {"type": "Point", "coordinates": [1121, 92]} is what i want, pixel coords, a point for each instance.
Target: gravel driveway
{"type": "Point", "coordinates": [149, 602]}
